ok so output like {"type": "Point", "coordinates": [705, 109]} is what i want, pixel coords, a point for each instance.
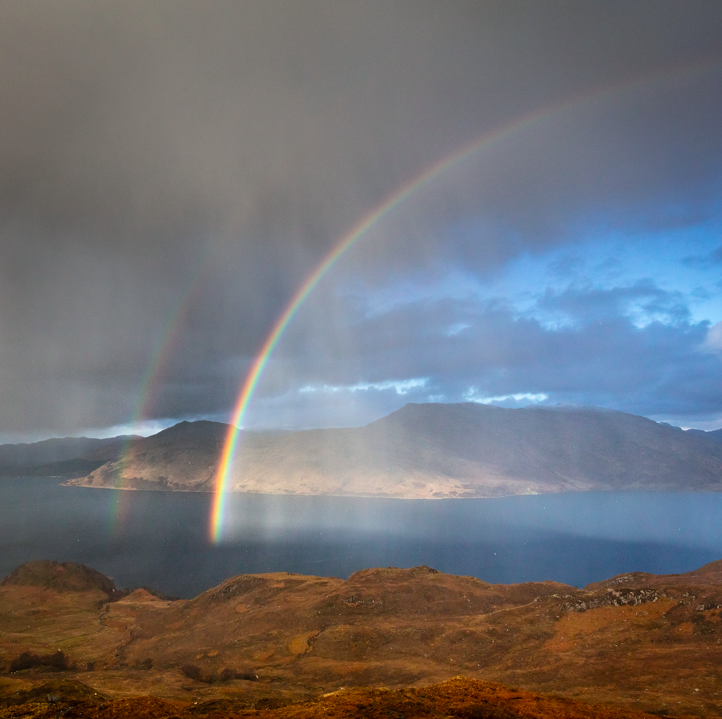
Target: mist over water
{"type": "Point", "coordinates": [160, 539]}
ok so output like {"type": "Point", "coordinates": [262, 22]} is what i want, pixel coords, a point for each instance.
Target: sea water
{"type": "Point", "coordinates": [161, 539]}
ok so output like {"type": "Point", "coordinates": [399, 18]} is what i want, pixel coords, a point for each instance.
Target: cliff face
{"type": "Point", "coordinates": [432, 451]}
{"type": "Point", "coordinates": [650, 643]}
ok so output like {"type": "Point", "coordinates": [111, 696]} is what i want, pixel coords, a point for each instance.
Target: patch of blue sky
{"type": "Point", "coordinates": [678, 260]}
{"type": "Point", "coordinates": [673, 264]}
{"type": "Point", "coordinates": [663, 275]}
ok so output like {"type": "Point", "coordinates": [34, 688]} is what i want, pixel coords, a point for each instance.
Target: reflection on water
{"type": "Point", "coordinates": [160, 539]}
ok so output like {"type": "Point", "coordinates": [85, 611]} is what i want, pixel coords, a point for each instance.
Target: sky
{"type": "Point", "coordinates": [172, 173]}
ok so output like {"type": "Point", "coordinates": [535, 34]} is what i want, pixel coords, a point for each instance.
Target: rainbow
{"type": "Point", "coordinates": [357, 231]}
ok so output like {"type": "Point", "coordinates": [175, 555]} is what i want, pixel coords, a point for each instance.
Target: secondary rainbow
{"type": "Point", "coordinates": [358, 230]}
{"type": "Point", "coordinates": [148, 385]}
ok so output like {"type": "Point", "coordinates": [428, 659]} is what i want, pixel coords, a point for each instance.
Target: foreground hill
{"type": "Point", "coordinates": [432, 451]}
{"type": "Point", "coordinates": [458, 697]}
{"type": "Point", "coordinates": [263, 640]}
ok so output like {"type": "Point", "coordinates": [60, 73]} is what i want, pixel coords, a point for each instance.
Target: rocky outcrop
{"type": "Point", "coordinates": [62, 577]}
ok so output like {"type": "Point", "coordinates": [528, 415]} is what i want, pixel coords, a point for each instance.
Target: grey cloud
{"type": "Point", "coordinates": [161, 155]}
{"type": "Point", "coordinates": [591, 304]}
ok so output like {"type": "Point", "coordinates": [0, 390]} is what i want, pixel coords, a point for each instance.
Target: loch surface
{"type": "Point", "coordinates": [160, 539]}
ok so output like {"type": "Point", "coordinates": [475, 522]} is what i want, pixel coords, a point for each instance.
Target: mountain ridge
{"type": "Point", "coordinates": [64, 456]}
{"type": "Point", "coordinates": [431, 451]}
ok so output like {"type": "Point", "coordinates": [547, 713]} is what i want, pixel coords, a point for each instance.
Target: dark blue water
{"type": "Point", "coordinates": [160, 539]}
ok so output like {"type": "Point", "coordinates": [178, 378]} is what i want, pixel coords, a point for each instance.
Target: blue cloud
{"type": "Point", "coordinates": [605, 356]}
{"type": "Point", "coordinates": [709, 259]}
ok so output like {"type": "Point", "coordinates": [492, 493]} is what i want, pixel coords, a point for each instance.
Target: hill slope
{"type": "Point", "coordinates": [715, 434]}
{"type": "Point", "coordinates": [432, 451]}
{"type": "Point", "coordinates": [56, 450]}
{"type": "Point", "coordinates": [260, 637]}
{"type": "Point", "coordinates": [182, 457]}
{"type": "Point", "coordinates": [67, 456]}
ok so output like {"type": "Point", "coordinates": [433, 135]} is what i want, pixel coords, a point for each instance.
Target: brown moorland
{"type": "Point", "coordinates": [390, 640]}
{"type": "Point", "coordinates": [458, 697]}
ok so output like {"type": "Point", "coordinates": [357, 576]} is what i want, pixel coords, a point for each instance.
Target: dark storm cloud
{"type": "Point", "coordinates": [154, 153]}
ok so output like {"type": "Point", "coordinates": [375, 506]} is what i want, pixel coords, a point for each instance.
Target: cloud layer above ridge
{"type": "Point", "coordinates": [171, 173]}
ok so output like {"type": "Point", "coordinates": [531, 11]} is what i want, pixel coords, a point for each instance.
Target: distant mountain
{"type": "Point", "coordinates": [66, 456]}
{"type": "Point", "coordinates": [432, 451]}
{"type": "Point", "coordinates": [183, 457]}
{"type": "Point", "coordinates": [715, 435]}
